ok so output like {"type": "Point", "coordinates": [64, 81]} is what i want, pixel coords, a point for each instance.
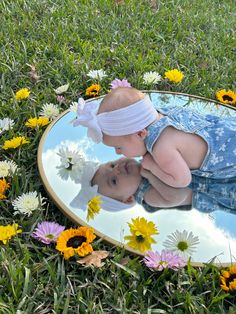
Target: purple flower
{"type": "Point", "coordinates": [119, 83]}
{"type": "Point", "coordinates": [165, 259]}
{"type": "Point", "coordinates": [47, 232]}
{"type": "Point", "coordinates": [60, 99]}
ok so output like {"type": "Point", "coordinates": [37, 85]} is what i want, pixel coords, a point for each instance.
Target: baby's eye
{"type": "Point", "coordinates": [112, 165]}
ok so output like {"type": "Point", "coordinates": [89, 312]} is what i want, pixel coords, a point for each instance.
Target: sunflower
{"type": "Point", "coordinates": [93, 90]}
{"type": "Point", "coordinates": [174, 76]}
{"type": "Point", "coordinates": [3, 187]}
{"type": "Point", "coordinates": [228, 279]}
{"type": "Point", "coordinates": [94, 207]}
{"type": "Point", "coordinates": [141, 232]}
{"type": "Point", "coordinates": [37, 122]}
{"type": "Point", "coordinates": [15, 142]}
{"type": "Point", "coordinates": [9, 231]}
{"type": "Point", "coordinates": [75, 241]}
{"type": "Point", "coordinates": [226, 97]}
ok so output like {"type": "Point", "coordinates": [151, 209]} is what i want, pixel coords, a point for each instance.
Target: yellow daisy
{"type": "Point", "coordinates": [3, 187]}
{"type": "Point", "coordinates": [94, 207]}
{"type": "Point", "coordinates": [228, 279]}
{"type": "Point", "coordinates": [22, 94]}
{"type": "Point", "coordinates": [9, 231]}
{"type": "Point", "coordinates": [141, 232]}
{"type": "Point", "coordinates": [75, 241]}
{"type": "Point", "coordinates": [15, 142]}
{"type": "Point", "coordinates": [226, 97]}
{"type": "Point", "coordinates": [93, 90]}
{"type": "Point", "coordinates": [174, 76]}
{"type": "Point", "coordinates": [37, 122]}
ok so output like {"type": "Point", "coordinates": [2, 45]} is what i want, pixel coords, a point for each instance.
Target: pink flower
{"type": "Point", "coordinates": [119, 83]}
{"type": "Point", "coordinates": [47, 232]}
{"type": "Point", "coordinates": [60, 99]}
{"type": "Point", "coordinates": [165, 259]}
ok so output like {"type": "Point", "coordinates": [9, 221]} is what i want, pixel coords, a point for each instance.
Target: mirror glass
{"type": "Point", "coordinates": [216, 231]}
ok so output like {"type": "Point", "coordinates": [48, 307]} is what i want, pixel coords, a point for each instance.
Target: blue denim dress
{"type": "Point", "coordinates": [214, 183]}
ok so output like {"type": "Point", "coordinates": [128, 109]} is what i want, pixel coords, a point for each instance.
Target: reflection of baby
{"type": "Point", "coordinates": [124, 180]}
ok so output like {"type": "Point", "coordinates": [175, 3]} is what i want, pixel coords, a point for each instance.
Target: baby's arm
{"type": "Point", "coordinates": [163, 195]}
{"type": "Point", "coordinates": [169, 166]}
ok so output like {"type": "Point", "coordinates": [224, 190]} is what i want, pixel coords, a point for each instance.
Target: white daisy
{"type": "Point", "coordinates": [7, 168]}
{"type": "Point", "coordinates": [151, 77]}
{"type": "Point", "coordinates": [73, 106]}
{"type": "Point", "coordinates": [49, 111]}
{"type": "Point", "coordinates": [183, 243]}
{"type": "Point", "coordinates": [71, 164]}
{"type": "Point", "coordinates": [97, 74]}
{"type": "Point", "coordinates": [6, 124]}
{"type": "Point", "coordinates": [27, 203]}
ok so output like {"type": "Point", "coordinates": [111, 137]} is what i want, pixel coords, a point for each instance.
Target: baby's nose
{"type": "Point", "coordinates": [116, 169]}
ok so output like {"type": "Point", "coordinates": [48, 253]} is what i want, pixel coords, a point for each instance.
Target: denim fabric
{"type": "Point", "coordinates": [219, 164]}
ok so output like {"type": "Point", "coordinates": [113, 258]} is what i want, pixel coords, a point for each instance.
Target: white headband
{"type": "Point", "coordinates": [119, 122]}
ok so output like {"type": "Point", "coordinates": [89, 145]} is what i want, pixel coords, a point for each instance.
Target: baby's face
{"type": "Point", "coordinates": [118, 179]}
{"type": "Point", "coordinates": [129, 145]}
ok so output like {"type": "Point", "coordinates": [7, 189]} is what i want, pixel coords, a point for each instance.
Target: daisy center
{"type": "Point", "coordinates": [50, 236]}
{"type": "Point", "coordinates": [76, 241]}
{"type": "Point", "coordinates": [140, 238]}
{"type": "Point", "coordinates": [182, 245]}
{"type": "Point", "coordinates": [227, 97]}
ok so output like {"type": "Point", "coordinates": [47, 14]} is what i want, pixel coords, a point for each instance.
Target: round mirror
{"type": "Point", "coordinates": [216, 231]}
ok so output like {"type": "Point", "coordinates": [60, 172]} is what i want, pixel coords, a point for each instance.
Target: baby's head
{"type": "Point", "coordinates": [120, 121]}
{"type": "Point", "coordinates": [118, 179]}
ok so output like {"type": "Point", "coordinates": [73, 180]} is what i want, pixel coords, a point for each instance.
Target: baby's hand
{"type": "Point", "coordinates": [147, 161]}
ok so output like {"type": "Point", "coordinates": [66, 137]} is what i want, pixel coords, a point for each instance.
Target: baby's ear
{"type": "Point", "coordinates": [129, 200]}
{"type": "Point", "coordinates": [142, 134]}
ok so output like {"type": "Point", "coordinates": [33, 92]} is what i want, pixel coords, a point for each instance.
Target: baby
{"type": "Point", "coordinates": [176, 143]}
{"type": "Point", "coordinates": [124, 180]}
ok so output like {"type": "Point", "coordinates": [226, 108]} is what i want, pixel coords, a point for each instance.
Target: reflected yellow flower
{"type": "Point", "coordinates": [93, 90]}
{"type": "Point", "coordinates": [174, 76]}
{"type": "Point", "coordinates": [94, 207]}
{"type": "Point", "coordinates": [22, 94]}
{"type": "Point", "coordinates": [141, 232]}
{"type": "Point", "coordinates": [75, 241]}
{"type": "Point", "coordinates": [3, 187]}
{"type": "Point", "coordinates": [226, 96]}
{"type": "Point", "coordinates": [37, 122]}
{"type": "Point", "coordinates": [15, 142]}
{"type": "Point", "coordinates": [228, 279]}
{"type": "Point", "coordinates": [9, 231]}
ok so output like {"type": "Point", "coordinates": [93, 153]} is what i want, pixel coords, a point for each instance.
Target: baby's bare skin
{"type": "Point", "coordinates": [174, 154]}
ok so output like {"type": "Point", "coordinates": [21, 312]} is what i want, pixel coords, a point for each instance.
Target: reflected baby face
{"type": "Point", "coordinates": [128, 145]}
{"type": "Point", "coordinates": [118, 179]}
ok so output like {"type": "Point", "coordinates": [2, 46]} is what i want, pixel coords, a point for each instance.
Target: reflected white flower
{"type": "Point", "coordinates": [151, 77]}
{"type": "Point", "coordinates": [97, 74]}
{"type": "Point", "coordinates": [73, 106]}
{"type": "Point", "coordinates": [49, 111]}
{"type": "Point", "coordinates": [183, 243]}
{"type": "Point", "coordinates": [71, 164]}
{"type": "Point", "coordinates": [6, 124]}
{"type": "Point", "coordinates": [27, 203]}
{"type": "Point", "coordinates": [7, 168]}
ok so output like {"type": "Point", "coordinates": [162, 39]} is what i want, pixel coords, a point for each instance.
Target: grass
{"type": "Point", "coordinates": [65, 39]}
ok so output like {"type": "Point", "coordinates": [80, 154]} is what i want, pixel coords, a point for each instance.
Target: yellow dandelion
{"type": "Point", "coordinates": [9, 231]}
{"type": "Point", "coordinates": [174, 76]}
{"type": "Point", "coordinates": [3, 188]}
{"type": "Point", "coordinates": [15, 142]}
{"type": "Point", "coordinates": [37, 122]}
{"type": "Point", "coordinates": [22, 94]}
{"type": "Point", "coordinates": [94, 207]}
{"type": "Point", "coordinates": [93, 90]}
{"type": "Point", "coordinates": [141, 232]}
{"type": "Point", "coordinates": [75, 241]}
{"type": "Point", "coordinates": [228, 279]}
{"type": "Point", "coordinates": [226, 96]}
